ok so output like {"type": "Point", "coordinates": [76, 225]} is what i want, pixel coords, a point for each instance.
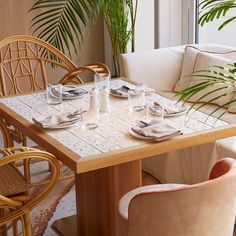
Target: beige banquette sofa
{"type": "Point", "coordinates": [162, 69]}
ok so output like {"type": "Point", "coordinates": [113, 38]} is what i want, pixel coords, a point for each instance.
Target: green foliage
{"type": "Point", "coordinates": [61, 21]}
{"type": "Point", "coordinates": [215, 9]}
{"type": "Point", "coordinates": [116, 17]}
{"type": "Point", "coordinates": [222, 78]}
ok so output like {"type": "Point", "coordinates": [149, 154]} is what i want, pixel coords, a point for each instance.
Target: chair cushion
{"type": "Point", "coordinates": [11, 181]}
{"type": "Point", "coordinates": [125, 200]}
{"type": "Point", "coordinates": [189, 62]}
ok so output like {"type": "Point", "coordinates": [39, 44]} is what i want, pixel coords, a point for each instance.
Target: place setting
{"type": "Point", "coordinates": [70, 92]}
{"type": "Point", "coordinates": [155, 130]}
{"type": "Point", "coordinates": [167, 109]}
{"type": "Point", "coordinates": [55, 93]}
{"type": "Point", "coordinates": [123, 91]}
{"type": "Point", "coordinates": [59, 121]}
{"type": "Point", "coordinates": [151, 125]}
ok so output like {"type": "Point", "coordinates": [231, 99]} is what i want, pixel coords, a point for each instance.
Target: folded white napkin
{"type": "Point", "coordinates": [122, 91]}
{"type": "Point", "coordinates": [72, 91]}
{"type": "Point", "coordinates": [58, 120]}
{"type": "Point", "coordinates": [158, 131]}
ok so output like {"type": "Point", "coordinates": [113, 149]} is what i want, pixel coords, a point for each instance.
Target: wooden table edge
{"type": "Point", "coordinates": [81, 165]}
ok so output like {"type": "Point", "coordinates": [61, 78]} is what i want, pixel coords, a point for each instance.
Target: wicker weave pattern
{"type": "Point", "coordinates": [11, 181]}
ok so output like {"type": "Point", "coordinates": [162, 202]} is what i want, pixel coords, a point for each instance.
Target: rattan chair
{"type": "Point", "coordinates": [28, 64]}
{"type": "Point", "coordinates": [16, 200]}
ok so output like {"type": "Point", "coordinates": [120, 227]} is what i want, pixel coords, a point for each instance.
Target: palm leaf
{"type": "Point", "coordinates": [61, 21]}
{"type": "Point", "coordinates": [210, 10]}
{"type": "Point", "coordinates": [223, 77]}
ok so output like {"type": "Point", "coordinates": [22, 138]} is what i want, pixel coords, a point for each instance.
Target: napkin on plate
{"type": "Point", "coordinates": [170, 108]}
{"type": "Point", "coordinates": [72, 91]}
{"type": "Point", "coordinates": [158, 130]}
{"type": "Point", "coordinates": [121, 91]}
{"type": "Point", "coordinates": [58, 120]}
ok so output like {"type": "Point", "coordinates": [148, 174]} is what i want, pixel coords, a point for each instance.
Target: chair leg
{"type": "Point", "coordinates": [27, 224]}
{"type": "Point", "coordinates": [26, 164]}
{"type": "Point", "coordinates": [15, 228]}
{"type": "Point", "coordinates": [3, 228]}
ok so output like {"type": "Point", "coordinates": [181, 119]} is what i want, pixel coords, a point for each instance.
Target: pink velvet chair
{"type": "Point", "coordinates": [203, 209]}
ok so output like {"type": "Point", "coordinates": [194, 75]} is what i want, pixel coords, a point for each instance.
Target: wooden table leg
{"type": "Point", "coordinates": [97, 195]}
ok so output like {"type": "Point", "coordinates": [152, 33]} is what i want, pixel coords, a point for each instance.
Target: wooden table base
{"type": "Point", "coordinates": [97, 194]}
{"type": "Point", "coordinates": [66, 226]}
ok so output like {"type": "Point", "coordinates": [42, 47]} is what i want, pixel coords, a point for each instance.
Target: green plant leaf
{"type": "Point", "coordinates": [61, 21]}
{"type": "Point", "coordinates": [209, 10]}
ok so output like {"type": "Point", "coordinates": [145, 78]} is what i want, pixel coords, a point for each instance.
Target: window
{"type": "Point", "coordinates": [209, 33]}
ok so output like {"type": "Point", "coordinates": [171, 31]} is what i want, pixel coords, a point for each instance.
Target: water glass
{"type": "Point", "coordinates": [54, 93]}
{"type": "Point", "coordinates": [149, 115]}
{"type": "Point", "coordinates": [101, 81]}
{"type": "Point", "coordinates": [136, 100]}
{"type": "Point", "coordinates": [92, 120]}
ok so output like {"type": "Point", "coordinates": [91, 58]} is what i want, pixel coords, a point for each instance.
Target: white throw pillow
{"type": "Point", "coordinates": [189, 61]}
{"type": "Point", "coordinates": [206, 61]}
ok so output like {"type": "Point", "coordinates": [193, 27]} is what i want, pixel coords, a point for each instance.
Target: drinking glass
{"type": "Point", "coordinates": [149, 116]}
{"type": "Point", "coordinates": [101, 81]}
{"type": "Point", "coordinates": [136, 100]}
{"type": "Point", "coordinates": [54, 93]}
{"type": "Point", "coordinates": [93, 119]}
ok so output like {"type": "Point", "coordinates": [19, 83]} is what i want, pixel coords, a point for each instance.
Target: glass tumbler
{"type": "Point", "coordinates": [92, 120]}
{"type": "Point", "coordinates": [101, 81]}
{"type": "Point", "coordinates": [136, 100]}
{"type": "Point", "coordinates": [54, 93]}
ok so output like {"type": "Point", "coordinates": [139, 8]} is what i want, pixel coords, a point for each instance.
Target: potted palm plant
{"type": "Point", "coordinates": [221, 77]}
{"type": "Point", "coordinates": [61, 23]}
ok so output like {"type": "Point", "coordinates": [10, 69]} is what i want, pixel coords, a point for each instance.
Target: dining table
{"type": "Point", "coordinates": [106, 160]}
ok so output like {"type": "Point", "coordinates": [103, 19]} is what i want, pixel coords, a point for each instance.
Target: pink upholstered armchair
{"type": "Point", "coordinates": [203, 209]}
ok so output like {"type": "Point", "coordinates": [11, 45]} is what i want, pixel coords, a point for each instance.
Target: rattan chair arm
{"type": "Point", "coordinates": [99, 67]}
{"type": "Point", "coordinates": [95, 68]}
{"type": "Point", "coordinates": [9, 203]}
{"type": "Point", "coordinates": [14, 154]}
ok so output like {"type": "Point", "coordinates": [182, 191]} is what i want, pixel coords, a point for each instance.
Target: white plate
{"type": "Point", "coordinates": [139, 136]}
{"type": "Point", "coordinates": [185, 109]}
